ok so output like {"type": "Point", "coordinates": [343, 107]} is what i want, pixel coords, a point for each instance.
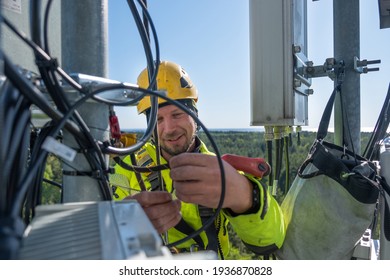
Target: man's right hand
{"type": "Point", "coordinates": [161, 209]}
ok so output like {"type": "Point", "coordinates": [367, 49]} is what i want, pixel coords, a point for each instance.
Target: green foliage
{"type": "Point", "coordinates": [51, 194]}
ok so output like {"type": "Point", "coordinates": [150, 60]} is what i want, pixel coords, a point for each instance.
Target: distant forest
{"type": "Point", "coordinates": [243, 143]}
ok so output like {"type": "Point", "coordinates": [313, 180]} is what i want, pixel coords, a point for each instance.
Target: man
{"type": "Point", "coordinates": [192, 187]}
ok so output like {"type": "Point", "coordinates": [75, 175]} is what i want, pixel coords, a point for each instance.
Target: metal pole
{"type": "Point", "coordinates": [1, 51]}
{"type": "Point", "coordinates": [84, 50]}
{"type": "Point", "coordinates": [346, 47]}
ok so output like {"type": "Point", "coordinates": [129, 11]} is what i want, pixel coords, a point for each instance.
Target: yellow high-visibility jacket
{"type": "Point", "coordinates": [262, 232]}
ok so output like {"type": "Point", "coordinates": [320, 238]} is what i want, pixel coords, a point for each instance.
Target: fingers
{"type": "Point", "coordinates": [161, 209]}
{"type": "Point", "coordinates": [192, 159]}
{"type": "Point", "coordinates": [197, 179]}
{"type": "Point", "coordinates": [193, 167]}
{"type": "Point", "coordinates": [164, 216]}
{"type": "Point", "coordinates": [150, 198]}
{"type": "Point", "coordinates": [193, 173]}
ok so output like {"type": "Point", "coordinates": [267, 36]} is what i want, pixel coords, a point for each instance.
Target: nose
{"type": "Point", "coordinates": [167, 125]}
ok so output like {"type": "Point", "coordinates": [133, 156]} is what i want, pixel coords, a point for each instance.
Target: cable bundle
{"type": "Point", "coordinates": [22, 163]}
{"type": "Point", "coordinates": [14, 126]}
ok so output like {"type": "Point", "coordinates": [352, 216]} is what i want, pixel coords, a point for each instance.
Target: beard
{"type": "Point", "coordinates": [178, 149]}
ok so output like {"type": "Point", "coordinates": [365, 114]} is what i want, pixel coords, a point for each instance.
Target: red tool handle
{"type": "Point", "coordinates": [255, 166]}
{"type": "Point", "coordinates": [114, 127]}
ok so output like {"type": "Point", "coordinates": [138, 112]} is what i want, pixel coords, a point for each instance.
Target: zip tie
{"type": "Point", "coordinates": [345, 175]}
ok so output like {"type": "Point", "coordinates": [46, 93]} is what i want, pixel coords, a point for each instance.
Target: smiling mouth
{"type": "Point", "coordinates": [174, 139]}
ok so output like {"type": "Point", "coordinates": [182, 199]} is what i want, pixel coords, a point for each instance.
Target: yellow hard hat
{"type": "Point", "coordinates": [171, 78]}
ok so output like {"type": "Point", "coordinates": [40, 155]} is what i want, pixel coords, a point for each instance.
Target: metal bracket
{"type": "Point", "coordinates": [360, 66]}
{"type": "Point", "coordinates": [328, 69]}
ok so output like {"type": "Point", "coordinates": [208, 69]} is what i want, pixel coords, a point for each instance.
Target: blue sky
{"type": "Point", "coordinates": [210, 39]}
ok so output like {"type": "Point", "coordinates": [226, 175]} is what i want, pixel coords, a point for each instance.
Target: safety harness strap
{"type": "Point", "coordinates": [211, 232]}
{"type": "Point", "coordinates": [185, 228]}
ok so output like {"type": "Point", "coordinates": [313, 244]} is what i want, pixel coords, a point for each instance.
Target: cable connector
{"type": "Point", "coordinates": [269, 133]}
{"type": "Point", "coordinates": [279, 132]}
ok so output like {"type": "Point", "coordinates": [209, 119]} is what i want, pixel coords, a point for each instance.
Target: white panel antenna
{"type": "Point", "coordinates": [278, 51]}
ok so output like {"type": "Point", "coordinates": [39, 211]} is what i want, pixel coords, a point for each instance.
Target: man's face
{"type": "Point", "coordinates": [176, 131]}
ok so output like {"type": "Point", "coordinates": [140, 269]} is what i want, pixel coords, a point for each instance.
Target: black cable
{"type": "Point", "coordinates": [144, 138]}
{"type": "Point", "coordinates": [137, 173]}
{"type": "Point", "coordinates": [278, 163]}
{"type": "Point", "coordinates": [51, 182]}
{"type": "Point", "coordinates": [46, 27]}
{"type": "Point", "coordinates": [142, 31]}
{"type": "Point", "coordinates": [345, 123]}
{"type": "Point", "coordinates": [379, 132]}
{"type": "Point", "coordinates": [36, 97]}
{"type": "Point", "coordinates": [152, 72]}
{"type": "Point", "coordinates": [96, 161]}
{"type": "Point", "coordinates": [35, 192]}
{"type": "Point", "coordinates": [7, 132]}
{"type": "Point", "coordinates": [47, 69]}
{"type": "Point", "coordinates": [46, 58]}
{"type": "Point", "coordinates": [158, 159]}
{"type": "Point", "coordinates": [270, 161]}
{"type": "Point", "coordinates": [3, 155]}
{"type": "Point", "coordinates": [16, 115]}
{"type": "Point", "coordinates": [24, 38]}
{"type": "Point", "coordinates": [43, 55]}
{"type": "Point", "coordinates": [287, 162]}
{"type": "Point", "coordinates": [63, 119]}
{"type": "Point", "coordinates": [26, 181]}
{"type": "Point", "coordinates": [35, 20]}
{"type": "Point", "coordinates": [145, 39]}
{"type": "Point", "coordinates": [139, 169]}
{"type": "Point", "coordinates": [145, 17]}
{"type": "Point", "coordinates": [14, 124]}
{"type": "Point", "coordinates": [153, 68]}
{"type": "Point", "coordinates": [32, 92]}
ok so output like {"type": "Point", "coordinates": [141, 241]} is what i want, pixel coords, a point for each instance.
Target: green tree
{"type": "Point", "coordinates": [51, 192]}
